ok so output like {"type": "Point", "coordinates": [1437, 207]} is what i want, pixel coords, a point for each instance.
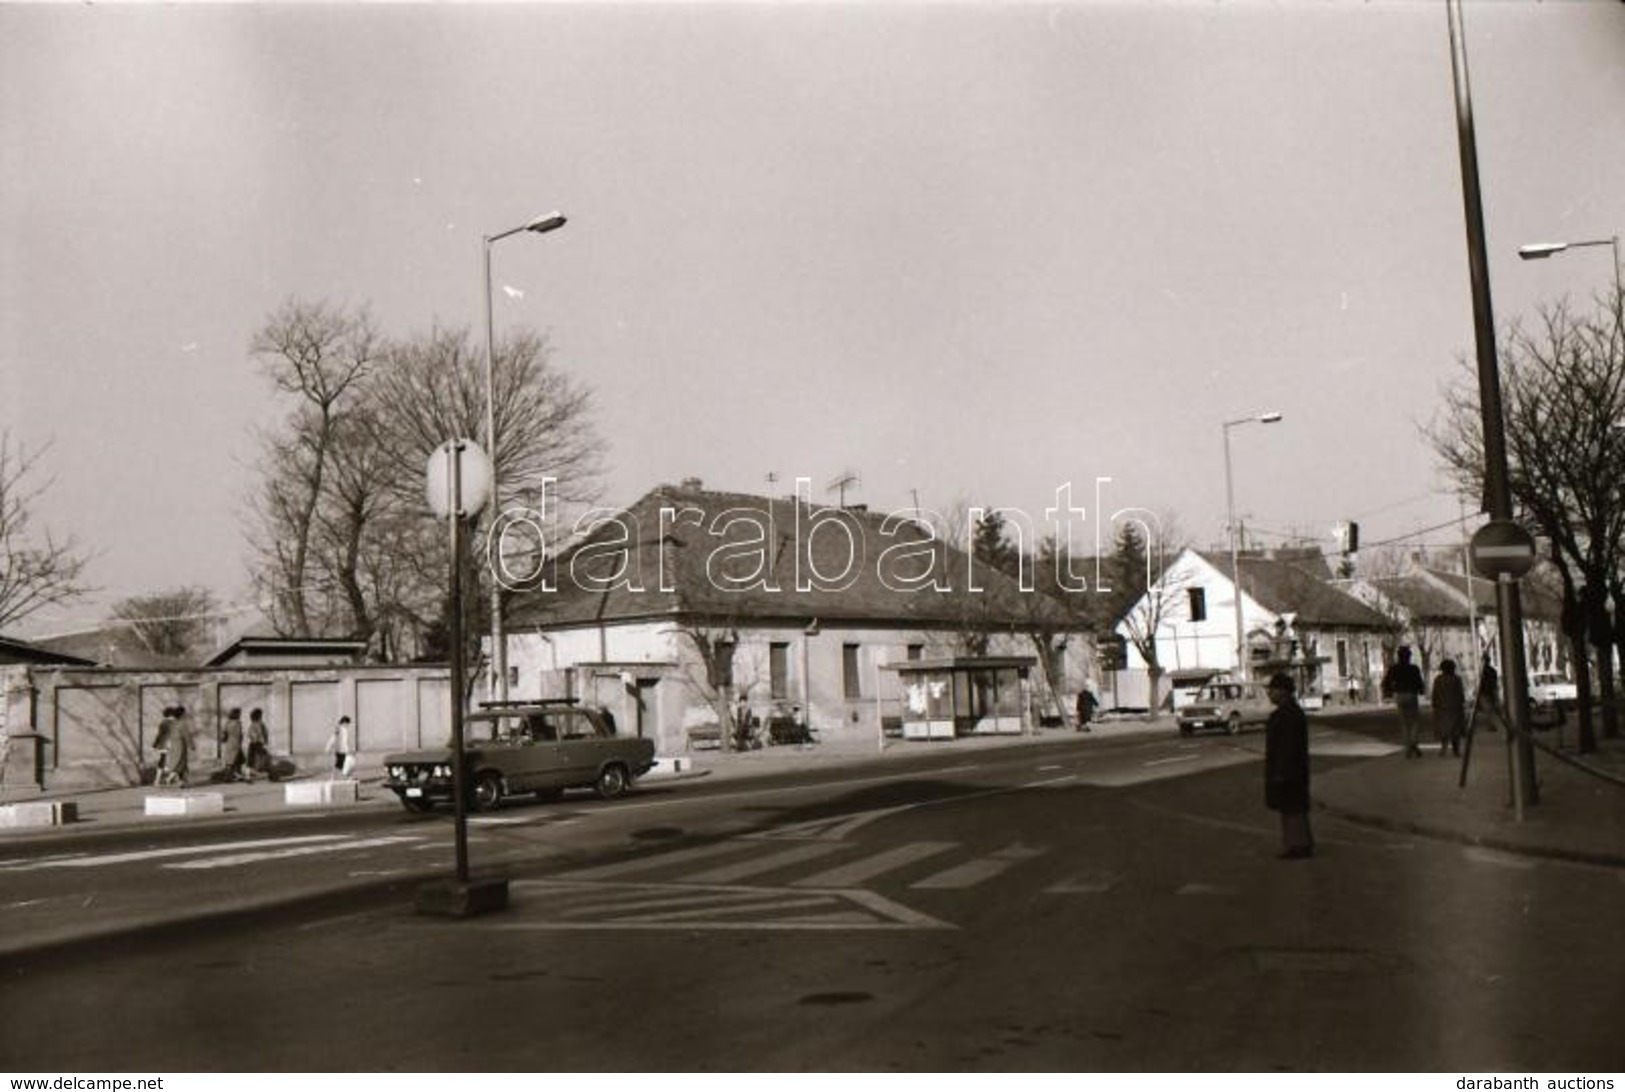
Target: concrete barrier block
{"type": "Point", "coordinates": [189, 803]}
{"type": "Point", "coordinates": [320, 793]}
{"type": "Point", "coordinates": [670, 766]}
{"type": "Point", "coordinates": [43, 813]}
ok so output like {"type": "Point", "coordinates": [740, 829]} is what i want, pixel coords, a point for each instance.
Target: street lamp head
{"type": "Point", "coordinates": [1269, 418]}
{"type": "Point", "coordinates": [551, 221]}
{"type": "Point", "coordinates": [1541, 250]}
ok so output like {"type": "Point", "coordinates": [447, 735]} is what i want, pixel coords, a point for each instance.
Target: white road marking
{"type": "Point", "coordinates": [640, 864]}
{"type": "Point", "coordinates": [173, 851]}
{"type": "Point", "coordinates": [234, 860]}
{"type": "Point", "coordinates": [771, 862]}
{"type": "Point", "coordinates": [1090, 883]}
{"type": "Point", "coordinates": [1211, 759]}
{"type": "Point", "coordinates": [978, 869]}
{"type": "Point", "coordinates": [582, 906]}
{"type": "Point", "coordinates": [855, 873]}
{"type": "Point", "coordinates": [1200, 889]}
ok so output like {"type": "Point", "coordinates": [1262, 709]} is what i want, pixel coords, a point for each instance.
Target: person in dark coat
{"type": "Point", "coordinates": [1449, 700]}
{"type": "Point", "coordinates": [1086, 708]}
{"type": "Point", "coordinates": [231, 746]}
{"type": "Point", "coordinates": [1286, 767]}
{"type": "Point", "coordinates": [1404, 683]}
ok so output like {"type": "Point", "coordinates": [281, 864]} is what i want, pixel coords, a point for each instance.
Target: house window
{"type": "Point", "coordinates": [778, 669]}
{"type": "Point", "coordinates": [916, 652]}
{"type": "Point", "coordinates": [1343, 658]}
{"type": "Point", "coordinates": [1198, 603]}
{"type": "Point", "coordinates": [849, 671]}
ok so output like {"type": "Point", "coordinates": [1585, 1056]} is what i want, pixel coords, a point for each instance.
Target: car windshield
{"type": "Point", "coordinates": [1226, 692]}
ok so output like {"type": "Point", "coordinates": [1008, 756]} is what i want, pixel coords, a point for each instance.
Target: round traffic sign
{"type": "Point", "coordinates": [458, 468]}
{"type": "Point", "coordinates": [1502, 546]}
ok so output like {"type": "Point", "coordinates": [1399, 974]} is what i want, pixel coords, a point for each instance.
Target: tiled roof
{"type": "Point", "coordinates": [700, 540]}
{"type": "Point", "coordinates": [14, 650]}
{"type": "Point", "coordinates": [1423, 599]}
{"type": "Point", "coordinates": [1536, 601]}
{"type": "Point", "coordinates": [1284, 587]}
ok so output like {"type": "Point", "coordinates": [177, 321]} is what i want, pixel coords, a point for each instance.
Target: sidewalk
{"type": "Point", "coordinates": [1580, 817]}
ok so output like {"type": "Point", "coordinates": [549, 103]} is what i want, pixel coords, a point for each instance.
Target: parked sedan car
{"type": "Point", "coordinates": [1227, 707]}
{"type": "Point", "coordinates": [515, 748]}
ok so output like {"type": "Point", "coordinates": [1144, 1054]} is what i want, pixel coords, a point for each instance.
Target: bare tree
{"type": "Point", "coordinates": [345, 544]}
{"type": "Point", "coordinates": [37, 568]}
{"type": "Point", "coordinates": [319, 354]}
{"type": "Point", "coordinates": [1563, 393]}
{"type": "Point", "coordinates": [1140, 594]}
{"type": "Point", "coordinates": [178, 622]}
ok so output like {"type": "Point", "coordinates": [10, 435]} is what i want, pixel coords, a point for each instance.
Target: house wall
{"type": "Point", "coordinates": [653, 669]}
{"type": "Point", "coordinates": [99, 723]}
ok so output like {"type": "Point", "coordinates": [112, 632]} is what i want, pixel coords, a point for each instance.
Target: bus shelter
{"type": "Point", "coordinates": [948, 697]}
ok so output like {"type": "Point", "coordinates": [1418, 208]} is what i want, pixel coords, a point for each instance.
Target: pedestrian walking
{"type": "Point", "coordinates": [1449, 700]}
{"type": "Point", "coordinates": [231, 746]}
{"type": "Point", "coordinates": [1086, 708]}
{"type": "Point", "coordinates": [1286, 767]}
{"type": "Point", "coordinates": [339, 745]}
{"type": "Point", "coordinates": [180, 745]}
{"type": "Point", "coordinates": [160, 746]}
{"type": "Point", "coordinates": [259, 746]}
{"type": "Point", "coordinates": [1404, 683]}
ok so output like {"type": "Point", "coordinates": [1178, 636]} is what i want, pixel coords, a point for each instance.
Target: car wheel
{"type": "Point", "coordinates": [1232, 725]}
{"type": "Point", "coordinates": [417, 804]}
{"type": "Point", "coordinates": [488, 791]}
{"type": "Point", "coordinates": [1185, 729]}
{"type": "Point", "coordinates": [612, 782]}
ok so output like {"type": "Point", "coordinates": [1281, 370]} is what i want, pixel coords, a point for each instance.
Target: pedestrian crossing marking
{"type": "Point", "coordinates": [835, 828]}
{"type": "Point", "coordinates": [1089, 883]}
{"type": "Point", "coordinates": [855, 873]}
{"type": "Point", "coordinates": [639, 864]}
{"type": "Point", "coordinates": [978, 869]}
{"type": "Point", "coordinates": [756, 866]}
{"type": "Point", "coordinates": [88, 861]}
{"type": "Point", "coordinates": [234, 860]}
{"type": "Point", "coordinates": [581, 905]}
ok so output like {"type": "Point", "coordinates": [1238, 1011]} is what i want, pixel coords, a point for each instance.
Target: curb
{"type": "Point", "coordinates": [1481, 841]}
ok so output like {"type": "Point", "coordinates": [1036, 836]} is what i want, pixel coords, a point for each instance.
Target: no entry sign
{"type": "Point", "coordinates": [1501, 546]}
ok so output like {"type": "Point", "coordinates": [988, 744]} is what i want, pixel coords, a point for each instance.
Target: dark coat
{"type": "Point", "coordinates": [1286, 759]}
{"type": "Point", "coordinates": [1449, 707]}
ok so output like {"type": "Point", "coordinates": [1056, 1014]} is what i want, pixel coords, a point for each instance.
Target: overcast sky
{"type": "Point", "coordinates": [975, 251]}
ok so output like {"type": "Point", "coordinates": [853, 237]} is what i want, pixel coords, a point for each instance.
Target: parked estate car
{"type": "Point", "coordinates": [1550, 688]}
{"type": "Point", "coordinates": [1228, 706]}
{"type": "Point", "coordinates": [514, 748]}
{"type": "Point", "coordinates": [1550, 693]}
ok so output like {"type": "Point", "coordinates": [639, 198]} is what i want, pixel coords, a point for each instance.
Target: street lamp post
{"type": "Point", "coordinates": [1532, 251]}
{"type": "Point", "coordinates": [1497, 478]}
{"type": "Point", "coordinates": [499, 649]}
{"type": "Point", "coordinates": [1230, 521]}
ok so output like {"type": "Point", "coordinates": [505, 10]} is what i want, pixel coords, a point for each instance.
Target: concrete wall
{"type": "Point", "coordinates": [99, 723]}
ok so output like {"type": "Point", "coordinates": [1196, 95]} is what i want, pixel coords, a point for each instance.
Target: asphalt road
{"type": "Point", "coordinates": [1058, 907]}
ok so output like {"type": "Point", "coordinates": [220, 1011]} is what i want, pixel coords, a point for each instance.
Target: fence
{"type": "Point", "coordinates": [96, 725]}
